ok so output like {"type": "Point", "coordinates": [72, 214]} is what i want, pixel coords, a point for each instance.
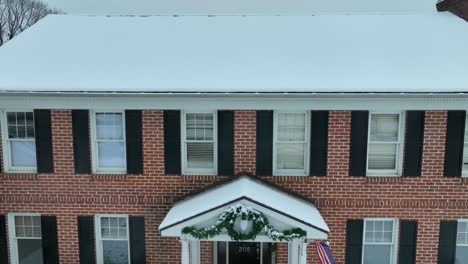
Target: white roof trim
{"type": "Point", "coordinates": [248, 191]}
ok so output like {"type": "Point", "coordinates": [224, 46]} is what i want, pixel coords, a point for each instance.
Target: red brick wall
{"type": "Point", "coordinates": [427, 199]}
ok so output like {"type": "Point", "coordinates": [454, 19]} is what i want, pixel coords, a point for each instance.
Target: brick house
{"type": "Point", "coordinates": [235, 139]}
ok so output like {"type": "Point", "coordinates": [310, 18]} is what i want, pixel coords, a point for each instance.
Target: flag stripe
{"type": "Point", "coordinates": [324, 253]}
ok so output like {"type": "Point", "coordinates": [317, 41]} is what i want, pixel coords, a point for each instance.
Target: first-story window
{"type": "Point", "coordinates": [461, 254]}
{"type": "Point", "coordinates": [109, 142]}
{"type": "Point", "coordinates": [380, 241]}
{"type": "Point", "coordinates": [199, 143]}
{"type": "Point", "coordinates": [291, 134]}
{"type": "Point", "coordinates": [112, 239]}
{"type": "Point", "coordinates": [465, 150]}
{"type": "Point", "coordinates": [384, 154]}
{"type": "Point", "coordinates": [19, 141]}
{"type": "Point", "coordinates": [25, 238]}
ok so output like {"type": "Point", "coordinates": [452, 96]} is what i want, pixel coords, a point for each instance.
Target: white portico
{"type": "Point", "coordinates": [245, 210]}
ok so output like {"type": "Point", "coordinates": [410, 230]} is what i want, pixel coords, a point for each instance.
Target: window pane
{"type": "Point", "coordinates": [30, 251]}
{"type": "Point", "coordinates": [382, 156]}
{"type": "Point", "coordinates": [462, 233]}
{"type": "Point", "coordinates": [291, 127]}
{"type": "Point", "coordinates": [384, 127]}
{"type": "Point", "coordinates": [111, 154]}
{"type": "Point", "coordinates": [200, 155]}
{"type": "Point", "coordinates": [199, 126]}
{"type": "Point", "coordinates": [461, 255]}
{"type": "Point", "coordinates": [379, 231]}
{"type": "Point", "coordinates": [20, 125]}
{"type": "Point", "coordinates": [380, 254]}
{"type": "Point", "coordinates": [290, 156]}
{"type": "Point", "coordinates": [113, 227]}
{"type": "Point", "coordinates": [23, 153]}
{"type": "Point", "coordinates": [115, 252]}
{"type": "Point", "coordinates": [109, 126]}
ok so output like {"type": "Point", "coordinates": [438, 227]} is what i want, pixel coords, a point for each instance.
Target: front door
{"type": "Point", "coordinates": [243, 253]}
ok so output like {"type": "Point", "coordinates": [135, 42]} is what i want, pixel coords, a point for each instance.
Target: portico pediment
{"type": "Point", "coordinates": [282, 210]}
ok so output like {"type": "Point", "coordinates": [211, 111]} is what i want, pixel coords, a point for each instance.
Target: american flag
{"type": "Point", "coordinates": [324, 253]}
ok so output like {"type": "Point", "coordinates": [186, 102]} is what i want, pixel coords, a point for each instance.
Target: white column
{"type": "Point", "coordinates": [303, 253]}
{"type": "Point", "coordinates": [185, 252]}
{"type": "Point", "coordinates": [194, 251]}
{"type": "Point", "coordinates": [293, 252]}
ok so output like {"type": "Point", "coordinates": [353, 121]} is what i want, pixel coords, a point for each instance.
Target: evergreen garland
{"type": "Point", "coordinates": [259, 223]}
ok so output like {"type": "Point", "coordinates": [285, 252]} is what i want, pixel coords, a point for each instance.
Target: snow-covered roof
{"type": "Point", "coordinates": [249, 189]}
{"type": "Point", "coordinates": [424, 52]}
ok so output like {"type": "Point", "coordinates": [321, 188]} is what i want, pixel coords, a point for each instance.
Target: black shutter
{"type": "Point", "coordinates": [318, 143]}
{"type": "Point", "coordinates": [414, 139]}
{"type": "Point", "coordinates": [50, 252]}
{"type": "Point", "coordinates": [44, 156]}
{"type": "Point", "coordinates": [447, 242]}
{"type": "Point", "coordinates": [454, 143]}
{"type": "Point", "coordinates": [408, 237]}
{"type": "Point", "coordinates": [134, 141]}
{"type": "Point", "coordinates": [86, 239]}
{"type": "Point", "coordinates": [172, 150]}
{"type": "Point", "coordinates": [358, 151]}
{"type": "Point", "coordinates": [81, 149]}
{"type": "Point", "coordinates": [3, 240]}
{"type": "Point", "coordinates": [264, 153]}
{"type": "Point", "coordinates": [226, 143]}
{"type": "Point", "coordinates": [354, 229]}
{"type": "Point", "coordinates": [137, 240]}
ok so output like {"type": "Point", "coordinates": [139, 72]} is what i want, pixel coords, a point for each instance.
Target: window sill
{"type": "Point", "coordinates": [384, 175]}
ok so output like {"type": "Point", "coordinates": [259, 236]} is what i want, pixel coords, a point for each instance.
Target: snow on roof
{"type": "Point", "coordinates": [323, 53]}
{"type": "Point", "coordinates": [244, 187]}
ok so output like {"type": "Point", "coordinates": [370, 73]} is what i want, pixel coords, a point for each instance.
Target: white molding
{"type": "Point", "coordinates": [94, 148]}
{"type": "Point", "coordinates": [98, 238]}
{"type": "Point", "coordinates": [291, 172]}
{"type": "Point", "coordinates": [185, 170]}
{"type": "Point", "coordinates": [8, 168]}
{"type": "Point", "coordinates": [212, 102]}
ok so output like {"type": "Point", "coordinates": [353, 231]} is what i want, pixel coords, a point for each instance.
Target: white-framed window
{"type": "Point", "coordinates": [25, 238]}
{"type": "Point", "coordinates": [199, 143]}
{"type": "Point", "coordinates": [112, 239]}
{"type": "Point", "coordinates": [291, 143]}
{"type": "Point", "coordinates": [19, 139]}
{"type": "Point", "coordinates": [380, 241]}
{"type": "Point", "coordinates": [465, 150]}
{"type": "Point", "coordinates": [108, 142]}
{"type": "Point", "coordinates": [461, 251]}
{"type": "Point", "coordinates": [385, 144]}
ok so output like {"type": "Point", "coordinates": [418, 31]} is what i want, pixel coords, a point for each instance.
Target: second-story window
{"type": "Point", "coordinates": [384, 154]}
{"type": "Point", "coordinates": [109, 142]}
{"type": "Point", "coordinates": [199, 143]}
{"type": "Point", "coordinates": [465, 150]}
{"type": "Point", "coordinates": [290, 144]}
{"type": "Point", "coordinates": [20, 150]}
